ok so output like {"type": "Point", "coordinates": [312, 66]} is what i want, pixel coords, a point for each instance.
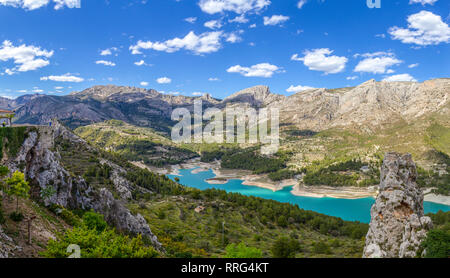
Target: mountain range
{"type": "Point", "coordinates": [367, 106]}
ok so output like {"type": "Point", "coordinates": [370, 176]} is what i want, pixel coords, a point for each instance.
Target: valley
{"type": "Point", "coordinates": [198, 199]}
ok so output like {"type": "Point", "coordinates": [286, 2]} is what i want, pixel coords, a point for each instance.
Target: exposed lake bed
{"type": "Point", "coordinates": [352, 209]}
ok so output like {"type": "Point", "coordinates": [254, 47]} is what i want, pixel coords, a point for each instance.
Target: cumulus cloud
{"type": "Point", "coordinates": [377, 63]}
{"type": "Point", "coordinates": [144, 83]}
{"type": "Point", "coordinates": [239, 19]}
{"type": "Point", "coordinates": [260, 70]}
{"type": "Point", "coordinates": [322, 60]}
{"type": "Point", "coordinates": [275, 20]}
{"type": "Point", "coordinates": [108, 51]}
{"type": "Point", "coordinates": [237, 6]}
{"type": "Point", "coordinates": [164, 80]}
{"type": "Point", "coordinates": [299, 88]}
{"type": "Point", "coordinates": [413, 65]}
{"type": "Point", "coordinates": [423, 2]}
{"type": "Point", "coordinates": [352, 77]}
{"type": "Point", "coordinates": [140, 63]}
{"type": "Point", "coordinates": [26, 57]}
{"type": "Point", "coordinates": [400, 77]}
{"type": "Point", "coordinates": [233, 37]}
{"type": "Point", "coordinates": [63, 78]}
{"type": "Point", "coordinates": [301, 3]}
{"type": "Point", "coordinates": [424, 28]}
{"type": "Point", "coordinates": [191, 20]}
{"type": "Point", "coordinates": [36, 4]}
{"type": "Point", "coordinates": [213, 24]}
{"type": "Point", "coordinates": [204, 43]}
{"type": "Point", "coordinates": [105, 63]}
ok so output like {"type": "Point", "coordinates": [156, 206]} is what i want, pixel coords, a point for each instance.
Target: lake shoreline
{"type": "Point", "coordinates": [223, 176]}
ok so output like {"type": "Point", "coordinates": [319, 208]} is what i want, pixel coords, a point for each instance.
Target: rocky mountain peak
{"type": "Point", "coordinates": [255, 96]}
{"type": "Point", "coordinates": [398, 225]}
{"type": "Point", "coordinates": [103, 92]}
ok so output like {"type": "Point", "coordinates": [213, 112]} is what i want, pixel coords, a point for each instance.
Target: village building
{"type": "Point", "coordinates": [5, 119]}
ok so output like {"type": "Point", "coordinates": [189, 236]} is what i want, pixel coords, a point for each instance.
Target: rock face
{"type": "Point", "coordinates": [40, 162]}
{"type": "Point", "coordinates": [398, 225]}
{"type": "Point", "coordinates": [371, 104]}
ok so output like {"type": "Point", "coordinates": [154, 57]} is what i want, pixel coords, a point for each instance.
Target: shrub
{"type": "Point", "coordinates": [321, 247]}
{"type": "Point", "coordinates": [241, 251]}
{"type": "Point", "coordinates": [2, 217]}
{"type": "Point", "coordinates": [285, 248]}
{"type": "Point", "coordinates": [94, 221]}
{"type": "Point", "coordinates": [94, 244]}
{"type": "Point", "coordinates": [16, 216]}
{"type": "Point", "coordinates": [437, 244]}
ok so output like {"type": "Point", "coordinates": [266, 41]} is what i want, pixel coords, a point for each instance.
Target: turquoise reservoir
{"type": "Point", "coordinates": [352, 210]}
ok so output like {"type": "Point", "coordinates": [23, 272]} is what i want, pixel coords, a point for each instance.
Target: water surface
{"type": "Point", "coordinates": [352, 210]}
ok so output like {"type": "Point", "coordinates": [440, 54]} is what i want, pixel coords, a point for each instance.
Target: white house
{"type": "Point", "coordinates": [5, 118]}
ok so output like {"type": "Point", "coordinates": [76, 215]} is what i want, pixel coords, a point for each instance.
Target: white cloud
{"type": "Point", "coordinates": [239, 19]}
{"type": "Point", "coordinates": [400, 77]}
{"type": "Point", "coordinates": [377, 63]}
{"type": "Point", "coordinates": [67, 3]}
{"type": "Point", "coordinates": [108, 51]}
{"type": "Point", "coordinates": [320, 60]}
{"type": "Point", "coordinates": [423, 2]}
{"type": "Point", "coordinates": [413, 65]}
{"type": "Point", "coordinates": [352, 77]}
{"type": "Point", "coordinates": [191, 20]}
{"type": "Point", "coordinates": [164, 80]}
{"type": "Point", "coordinates": [237, 6]}
{"type": "Point", "coordinates": [140, 63]}
{"type": "Point", "coordinates": [197, 94]}
{"type": "Point", "coordinates": [233, 37]}
{"type": "Point", "coordinates": [59, 88]}
{"type": "Point", "coordinates": [213, 24]}
{"type": "Point", "coordinates": [25, 57]}
{"type": "Point", "coordinates": [144, 83]}
{"type": "Point", "coordinates": [260, 70]}
{"type": "Point", "coordinates": [275, 19]}
{"type": "Point", "coordinates": [204, 43]}
{"type": "Point", "coordinates": [36, 4]}
{"type": "Point", "coordinates": [37, 90]}
{"type": "Point", "coordinates": [301, 3]}
{"type": "Point", "coordinates": [299, 88]}
{"type": "Point", "coordinates": [424, 28]}
{"type": "Point", "coordinates": [63, 78]}
{"type": "Point", "coordinates": [213, 79]}
{"type": "Point", "coordinates": [105, 63]}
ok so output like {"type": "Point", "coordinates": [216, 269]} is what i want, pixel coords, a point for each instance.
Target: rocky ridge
{"type": "Point", "coordinates": [40, 162]}
{"type": "Point", "coordinates": [398, 225]}
{"type": "Point", "coordinates": [367, 106]}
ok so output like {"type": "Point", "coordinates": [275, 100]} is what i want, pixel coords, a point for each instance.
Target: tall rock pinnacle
{"type": "Point", "coordinates": [398, 225]}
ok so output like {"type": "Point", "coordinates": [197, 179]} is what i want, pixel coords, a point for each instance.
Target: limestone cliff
{"type": "Point", "coordinates": [398, 225]}
{"type": "Point", "coordinates": [40, 161]}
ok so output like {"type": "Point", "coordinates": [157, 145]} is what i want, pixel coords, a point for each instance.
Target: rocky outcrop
{"type": "Point", "coordinates": [40, 161]}
{"type": "Point", "coordinates": [118, 215]}
{"type": "Point", "coordinates": [7, 246]}
{"type": "Point", "coordinates": [258, 96]}
{"type": "Point", "coordinates": [398, 225]}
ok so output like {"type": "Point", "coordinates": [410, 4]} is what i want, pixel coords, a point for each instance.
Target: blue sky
{"type": "Point", "coordinates": [218, 46]}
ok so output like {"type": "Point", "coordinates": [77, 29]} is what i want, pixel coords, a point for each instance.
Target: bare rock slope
{"type": "Point", "coordinates": [40, 160]}
{"type": "Point", "coordinates": [398, 225]}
